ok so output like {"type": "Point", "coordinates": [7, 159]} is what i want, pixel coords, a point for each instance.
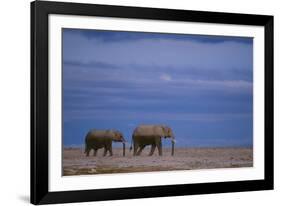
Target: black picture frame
{"type": "Point", "coordinates": [39, 102]}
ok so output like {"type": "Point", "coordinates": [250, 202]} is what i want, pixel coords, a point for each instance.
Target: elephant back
{"type": "Point", "coordinates": [100, 134]}
{"type": "Point", "coordinates": [149, 130]}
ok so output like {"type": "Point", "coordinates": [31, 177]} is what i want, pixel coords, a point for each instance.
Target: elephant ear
{"type": "Point", "coordinates": [165, 130]}
{"type": "Point", "coordinates": [159, 130]}
{"type": "Point", "coordinates": [115, 134]}
{"type": "Point", "coordinates": [168, 131]}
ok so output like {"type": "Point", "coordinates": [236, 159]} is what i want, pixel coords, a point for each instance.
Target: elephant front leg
{"type": "Point", "coordinates": [95, 152]}
{"type": "Point", "coordinates": [110, 151]}
{"type": "Point", "coordinates": [153, 146]}
{"type": "Point", "coordinates": [159, 147]}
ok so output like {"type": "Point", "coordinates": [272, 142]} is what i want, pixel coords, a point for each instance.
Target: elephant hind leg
{"type": "Point", "coordinates": [140, 150]}
{"type": "Point", "coordinates": [136, 146]}
{"type": "Point", "coordinates": [87, 151]}
{"type": "Point", "coordinates": [95, 152]}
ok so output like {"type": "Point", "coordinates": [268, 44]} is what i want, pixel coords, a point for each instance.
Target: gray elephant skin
{"type": "Point", "coordinates": [97, 139]}
{"type": "Point", "coordinates": [151, 135]}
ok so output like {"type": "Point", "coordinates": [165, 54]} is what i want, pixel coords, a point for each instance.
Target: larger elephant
{"type": "Point", "coordinates": [151, 135]}
{"type": "Point", "coordinates": [96, 139]}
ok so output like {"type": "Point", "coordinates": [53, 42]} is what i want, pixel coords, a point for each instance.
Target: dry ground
{"type": "Point", "coordinates": [76, 163]}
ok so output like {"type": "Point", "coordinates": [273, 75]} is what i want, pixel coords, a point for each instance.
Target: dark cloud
{"type": "Point", "coordinates": [113, 36]}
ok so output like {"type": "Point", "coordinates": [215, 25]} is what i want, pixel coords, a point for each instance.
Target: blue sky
{"type": "Point", "coordinates": [201, 86]}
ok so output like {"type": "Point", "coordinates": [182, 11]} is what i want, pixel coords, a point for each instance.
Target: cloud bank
{"type": "Point", "coordinates": [120, 79]}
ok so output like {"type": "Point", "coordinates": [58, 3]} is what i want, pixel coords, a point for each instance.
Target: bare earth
{"type": "Point", "coordinates": [76, 163]}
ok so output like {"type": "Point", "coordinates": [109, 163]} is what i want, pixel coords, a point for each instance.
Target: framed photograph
{"type": "Point", "coordinates": [131, 102]}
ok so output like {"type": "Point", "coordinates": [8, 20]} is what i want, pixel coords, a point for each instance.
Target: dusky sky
{"type": "Point", "coordinates": [201, 86]}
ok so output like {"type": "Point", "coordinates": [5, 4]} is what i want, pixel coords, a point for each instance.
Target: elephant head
{"type": "Point", "coordinates": [168, 133]}
{"type": "Point", "coordinates": [118, 137]}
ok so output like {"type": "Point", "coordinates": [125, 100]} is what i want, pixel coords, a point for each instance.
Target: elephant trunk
{"type": "Point", "coordinates": [124, 148]}
{"type": "Point", "coordinates": [173, 147]}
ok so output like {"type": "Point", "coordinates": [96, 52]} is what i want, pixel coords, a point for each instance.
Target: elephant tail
{"type": "Point", "coordinates": [85, 151]}
{"type": "Point", "coordinates": [86, 142]}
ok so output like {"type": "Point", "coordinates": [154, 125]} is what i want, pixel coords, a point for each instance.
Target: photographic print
{"type": "Point", "coordinates": [145, 102]}
{"type": "Point", "coordinates": [135, 102]}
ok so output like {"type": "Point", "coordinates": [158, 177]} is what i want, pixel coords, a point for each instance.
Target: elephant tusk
{"type": "Point", "coordinates": [173, 148]}
{"type": "Point", "coordinates": [124, 149]}
{"type": "Point", "coordinates": [174, 141]}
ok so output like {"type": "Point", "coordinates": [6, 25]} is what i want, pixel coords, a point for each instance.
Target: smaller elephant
{"type": "Point", "coordinates": [96, 139]}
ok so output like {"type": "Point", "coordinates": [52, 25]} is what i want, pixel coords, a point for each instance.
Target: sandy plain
{"type": "Point", "coordinates": [76, 163]}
